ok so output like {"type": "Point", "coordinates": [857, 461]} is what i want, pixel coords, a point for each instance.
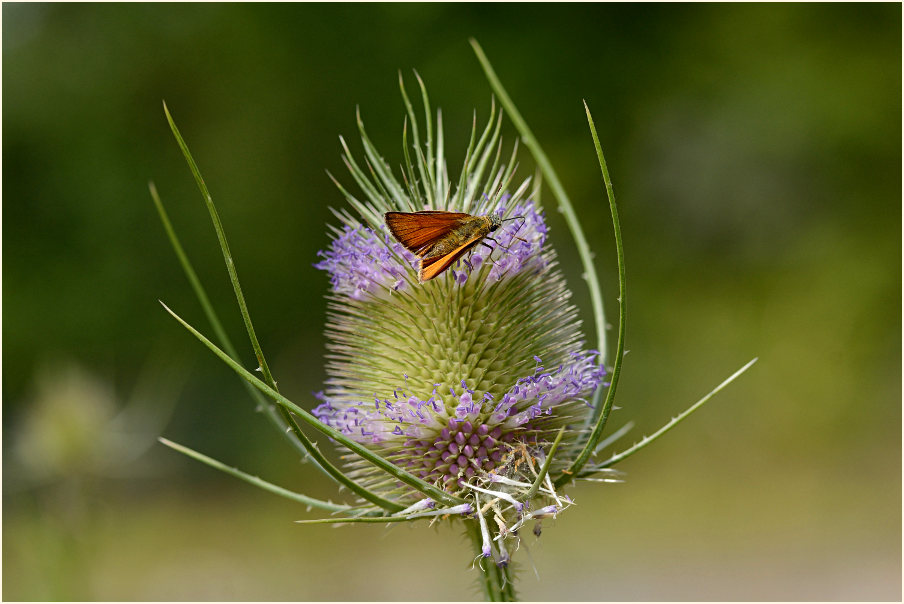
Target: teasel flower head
{"type": "Point", "coordinates": [466, 380]}
{"type": "Point", "coordinates": [458, 393]}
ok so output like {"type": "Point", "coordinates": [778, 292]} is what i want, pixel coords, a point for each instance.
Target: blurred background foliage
{"type": "Point", "coordinates": [756, 156]}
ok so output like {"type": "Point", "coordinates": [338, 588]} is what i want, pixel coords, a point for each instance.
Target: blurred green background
{"type": "Point", "coordinates": [756, 156]}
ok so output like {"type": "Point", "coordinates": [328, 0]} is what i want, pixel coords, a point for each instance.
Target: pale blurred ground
{"type": "Point", "coordinates": [756, 155]}
{"type": "Point", "coordinates": [653, 539]}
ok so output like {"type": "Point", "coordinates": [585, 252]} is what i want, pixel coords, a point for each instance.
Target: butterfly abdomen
{"type": "Point", "coordinates": [471, 230]}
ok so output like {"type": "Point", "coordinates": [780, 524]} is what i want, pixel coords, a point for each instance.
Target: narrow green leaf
{"type": "Point", "coordinates": [370, 519]}
{"type": "Point", "coordinates": [358, 448]}
{"type": "Point", "coordinates": [271, 410]}
{"type": "Point", "coordinates": [311, 447]}
{"type": "Point", "coordinates": [302, 439]}
{"type": "Point", "coordinates": [383, 192]}
{"type": "Point", "coordinates": [674, 421]}
{"type": "Point", "coordinates": [432, 203]}
{"type": "Point", "coordinates": [596, 296]}
{"type": "Point", "coordinates": [362, 519]}
{"type": "Point", "coordinates": [233, 274]}
{"type": "Point", "coordinates": [258, 482]}
{"type": "Point", "coordinates": [603, 415]}
{"type": "Point", "coordinates": [224, 247]}
{"type": "Point", "coordinates": [545, 468]}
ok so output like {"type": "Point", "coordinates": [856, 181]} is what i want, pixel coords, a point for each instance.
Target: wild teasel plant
{"type": "Point", "coordinates": [468, 398]}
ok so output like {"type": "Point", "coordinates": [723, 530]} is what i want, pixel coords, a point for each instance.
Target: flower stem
{"type": "Point", "coordinates": [601, 414]}
{"type": "Point", "coordinates": [565, 206]}
{"type": "Point", "coordinates": [272, 410]}
{"type": "Point", "coordinates": [495, 581]}
{"type": "Point", "coordinates": [362, 451]}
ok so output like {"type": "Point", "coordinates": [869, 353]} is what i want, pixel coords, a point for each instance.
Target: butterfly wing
{"type": "Point", "coordinates": [430, 267]}
{"type": "Point", "coordinates": [418, 231]}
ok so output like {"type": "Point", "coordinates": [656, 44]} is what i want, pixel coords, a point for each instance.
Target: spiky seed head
{"type": "Point", "coordinates": [464, 380]}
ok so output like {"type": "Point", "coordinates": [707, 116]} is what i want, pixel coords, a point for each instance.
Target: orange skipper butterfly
{"type": "Point", "coordinates": [440, 238]}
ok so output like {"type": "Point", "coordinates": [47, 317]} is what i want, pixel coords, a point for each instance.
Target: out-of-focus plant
{"type": "Point", "coordinates": [75, 438]}
{"type": "Point", "coordinates": [468, 398]}
{"type": "Point", "coordinates": [76, 428]}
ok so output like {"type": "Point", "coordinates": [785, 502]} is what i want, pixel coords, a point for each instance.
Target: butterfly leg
{"type": "Point", "coordinates": [515, 234]}
{"type": "Point", "coordinates": [506, 248]}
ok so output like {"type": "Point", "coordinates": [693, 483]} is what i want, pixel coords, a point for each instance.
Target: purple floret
{"type": "Point", "coordinates": [361, 261]}
{"type": "Point", "coordinates": [468, 433]}
{"type": "Point", "coordinates": [540, 393]}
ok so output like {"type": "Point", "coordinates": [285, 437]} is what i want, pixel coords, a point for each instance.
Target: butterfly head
{"type": "Point", "coordinates": [496, 221]}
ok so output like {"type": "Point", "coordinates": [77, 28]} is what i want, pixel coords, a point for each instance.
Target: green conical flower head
{"type": "Point", "coordinates": [463, 380]}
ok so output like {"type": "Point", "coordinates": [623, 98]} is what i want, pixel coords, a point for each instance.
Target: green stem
{"type": "Point", "coordinates": [278, 414]}
{"type": "Point", "coordinates": [359, 519]}
{"type": "Point", "coordinates": [545, 468]}
{"type": "Point", "coordinates": [495, 581]}
{"type": "Point", "coordinates": [258, 482]}
{"type": "Point", "coordinates": [224, 247]}
{"type": "Point", "coordinates": [674, 421]}
{"type": "Point", "coordinates": [571, 217]}
{"type": "Point", "coordinates": [601, 415]}
{"type": "Point", "coordinates": [361, 450]}
{"type": "Point", "coordinates": [271, 410]}
{"type": "Point", "coordinates": [233, 275]}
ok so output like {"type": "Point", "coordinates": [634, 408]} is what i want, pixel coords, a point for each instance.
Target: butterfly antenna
{"type": "Point", "coordinates": [515, 234]}
{"type": "Point", "coordinates": [523, 222]}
